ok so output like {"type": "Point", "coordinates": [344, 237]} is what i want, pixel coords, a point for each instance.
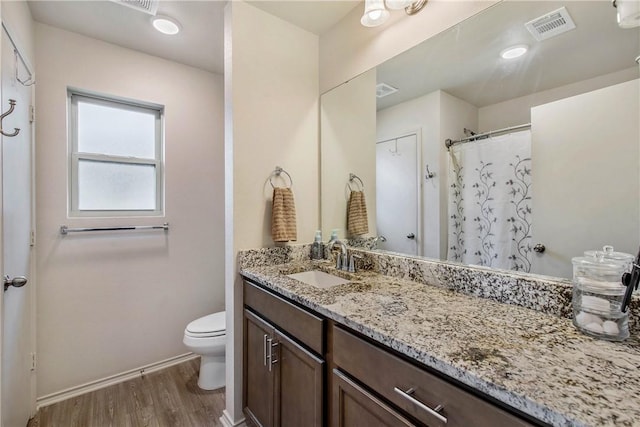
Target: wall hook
{"type": "Point", "coordinates": [16, 131]}
{"type": "Point", "coordinates": [429, 174]}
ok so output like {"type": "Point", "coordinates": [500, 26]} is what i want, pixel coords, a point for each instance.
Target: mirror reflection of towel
{"type": "Point", "coordinates": [283, 217]}
{"type": "Point", "coordinates": [357, 222]}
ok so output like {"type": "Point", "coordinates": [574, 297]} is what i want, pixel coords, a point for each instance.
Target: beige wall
{"type": "Point", "coordinates": [271, 102]}
{"type": "Point", "coordinates": [348, 132]}
{"type": "Point", "coordinates": [349, 49]}
{"type": "Point", "coordinates": [112, 302]}
{"type": "Point", "coordinates": [585, 152]}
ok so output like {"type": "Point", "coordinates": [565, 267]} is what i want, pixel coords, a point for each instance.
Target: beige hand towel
{"type": "Point", "coordinates": [283, 216]}
{"type": "Point", "coordinates": [357, 222]}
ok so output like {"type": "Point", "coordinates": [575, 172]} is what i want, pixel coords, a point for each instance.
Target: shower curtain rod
{"type": "Point", "coordinates": [449, 143]}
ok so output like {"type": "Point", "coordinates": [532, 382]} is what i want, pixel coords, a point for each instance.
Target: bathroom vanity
{"type": "Point", "coordinates": [390, 350]}
{"type": "Point", "coordinates": [285, 353]}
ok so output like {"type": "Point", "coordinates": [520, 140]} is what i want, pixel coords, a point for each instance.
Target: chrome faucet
{"type": "Point", "coordinates": [341, 259]}
{"type": "Point", "coordinates": [377, 239]}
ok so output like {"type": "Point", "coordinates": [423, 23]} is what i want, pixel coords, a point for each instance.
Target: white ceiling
{"type": "Point", "coordinates": [199, 44]}
{"type": "Point", "coordinates": [464, 61]}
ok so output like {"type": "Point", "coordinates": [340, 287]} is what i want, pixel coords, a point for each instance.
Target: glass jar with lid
{"type": "Point", "coordinates": [610, 254]}
{"type": "Point", "coordinates": [598, 294]}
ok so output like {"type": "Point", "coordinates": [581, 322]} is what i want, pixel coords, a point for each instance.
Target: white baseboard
{"type": "Point", "coordinates": [61, 395]}
{"type": "Point", "coordinates": [226, 421]}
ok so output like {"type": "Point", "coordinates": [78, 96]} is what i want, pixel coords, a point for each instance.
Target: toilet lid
{"type": "Point", "coordinates": [208, 324]}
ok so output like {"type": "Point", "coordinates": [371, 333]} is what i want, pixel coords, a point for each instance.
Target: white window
{"type": "Point", "coordinates": [115, 157]}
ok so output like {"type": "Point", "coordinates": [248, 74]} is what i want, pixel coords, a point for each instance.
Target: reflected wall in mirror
{"type": "Point", "coordinates": [566, 179]}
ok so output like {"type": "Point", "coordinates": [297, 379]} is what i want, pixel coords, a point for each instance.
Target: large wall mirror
{"type": "Point", "coordinates": [542, 160]}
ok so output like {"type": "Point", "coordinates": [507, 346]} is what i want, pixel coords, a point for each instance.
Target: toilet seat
{"type": "Point", "coordinates": [204, 334]}
{"type": "Point", "coordinates": [213, 325]}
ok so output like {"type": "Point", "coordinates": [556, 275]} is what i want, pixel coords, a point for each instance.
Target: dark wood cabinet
{"type": "Point", "coordinates": [299, 378]}
{"type": "Point", "coordinates": [259, 379]}
{"type": "Point", "coordinates": [423, 396]}
{"type": "Point", "coordinates": [283, 381]}
{"type": "Point", "coordinates": [356, 407]}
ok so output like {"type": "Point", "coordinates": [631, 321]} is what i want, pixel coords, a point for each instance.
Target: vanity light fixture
{"type": "Point", "coordinates": [514, 51]}
{"type": "Point", "coordinates": [628, 13]}
{"type": "Point", "coordinates": [166, 25]}
{"type": "Point", "coordinates": [375, 12]}
{"type": "Point", "coordinates": [398, 4]}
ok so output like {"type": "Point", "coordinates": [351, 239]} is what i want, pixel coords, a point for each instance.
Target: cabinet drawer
{"type": "Point", "coordinates": [297, 322]}
{"type": "Point", "coordinates": [413, 389]}
{"type": "Point", "coordinates": [356, 407]}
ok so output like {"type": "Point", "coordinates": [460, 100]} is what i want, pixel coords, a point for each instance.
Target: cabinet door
{"type": "Point", "coordinates": [353, 406]}
{"type": "Point", "coordinates": [258, 379]}
{"type": "Point", "coordinates": [299, 384]}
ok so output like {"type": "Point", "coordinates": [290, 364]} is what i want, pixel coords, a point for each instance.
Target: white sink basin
{"type": "Point", "coordinates": [319, 279]}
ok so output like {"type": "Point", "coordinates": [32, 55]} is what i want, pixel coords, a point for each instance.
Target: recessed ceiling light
{"type": "Point", "coordinates": [514, 51]}
{"type": "Point", "coordinates": [165, 25]}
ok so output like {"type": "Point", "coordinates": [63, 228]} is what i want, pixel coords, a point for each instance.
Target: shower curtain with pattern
{"type": "Point", "coordinates": [490, 202]}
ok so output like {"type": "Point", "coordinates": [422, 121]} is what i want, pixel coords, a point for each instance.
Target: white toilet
{"type": "Point", "coordinates": [207, 336]}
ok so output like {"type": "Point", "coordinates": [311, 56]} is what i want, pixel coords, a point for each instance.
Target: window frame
{"type": "Point", "coordinates": [75, 156]}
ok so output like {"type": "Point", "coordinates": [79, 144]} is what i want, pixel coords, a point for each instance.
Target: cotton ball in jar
{"type": "Point", "coordinates": [594, 327]}
{"type": "Point", "coordinates": [610, 328]}
{"type": "Point", "coordinates": [586, 318]}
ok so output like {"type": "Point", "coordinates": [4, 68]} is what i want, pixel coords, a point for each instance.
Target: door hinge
{"type": "Point", "coordinates": [33, 361]}
{"type": "Point", "coordinates": [32, 114]}
{"type": "Point", "coordinates": [32, 238]}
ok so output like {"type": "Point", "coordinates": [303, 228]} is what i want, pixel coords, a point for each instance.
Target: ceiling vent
{"type": "Point", "coordinates": [147, 6]}
{"type": "Point", "coordinates": [550, 25]}
{"type": "Point", "coordinates": [383, 89]}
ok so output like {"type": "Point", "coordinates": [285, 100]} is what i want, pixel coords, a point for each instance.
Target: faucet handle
{"type": "Point", "coordinates": [352, 262]}
{"type": "Point", "coordinates": [339, 261]}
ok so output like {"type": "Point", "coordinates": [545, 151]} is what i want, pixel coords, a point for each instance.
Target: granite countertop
{"type": "Point", "coordinates": [532, 361]}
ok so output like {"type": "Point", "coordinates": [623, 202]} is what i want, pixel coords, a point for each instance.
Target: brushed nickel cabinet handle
{"type": "Point", "coordinates": [264, 348]}
{"type": "Point", "coordinates": [273, 361]}
{"type": "Point", "coordinates": [269, 354]}
{"type": "Point", "coordinates": [435, 411]}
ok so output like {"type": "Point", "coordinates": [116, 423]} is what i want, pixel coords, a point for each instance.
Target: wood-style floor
{"type": "Point", "coordinates": [167, 398]}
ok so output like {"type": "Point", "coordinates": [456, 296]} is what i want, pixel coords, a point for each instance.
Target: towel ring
{"type": "Point", "coordinates": [277, 172]}
{"type": "Point", "coordinates": [353, 177]}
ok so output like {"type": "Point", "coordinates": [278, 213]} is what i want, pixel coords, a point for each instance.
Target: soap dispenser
{"type": "Point", "coordinates": [317, 248]}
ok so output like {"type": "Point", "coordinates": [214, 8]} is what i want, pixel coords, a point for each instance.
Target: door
{"type": "Point", "coordinates": [17, 332]}
{"type": "Point", "coordinates": [299, 382]}
{"type": "Point", "coordinates": [397, 194]}
{"type": "Point", "coordinates": [258, 379]}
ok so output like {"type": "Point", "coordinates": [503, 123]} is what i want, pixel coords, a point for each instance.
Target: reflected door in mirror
{"type": "Point", "coordinates": [397, 195]}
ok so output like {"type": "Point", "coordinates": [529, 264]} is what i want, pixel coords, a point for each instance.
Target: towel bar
{"type": "Point", "coordinates": [354, 177]}
{"type": "Point", "coordinates": [277, 172]}
{"type": "Point", "coordinates": [64, 230]}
